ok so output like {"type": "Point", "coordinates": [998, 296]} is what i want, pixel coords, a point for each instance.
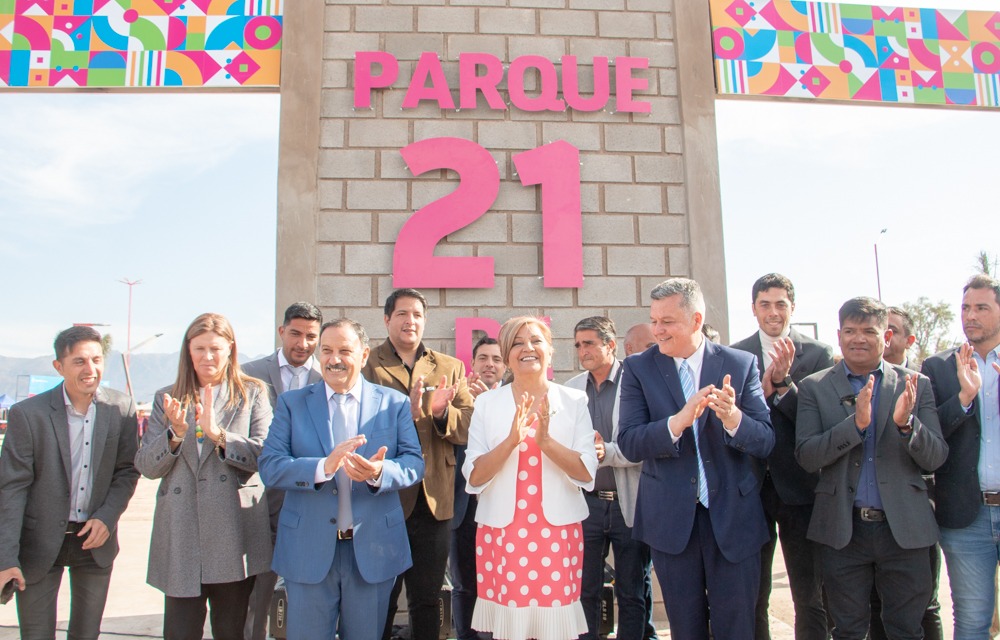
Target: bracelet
{"type": "Point", "coordinates": [221, 442]}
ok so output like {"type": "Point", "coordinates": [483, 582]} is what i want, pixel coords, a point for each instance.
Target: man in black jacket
{"type": "Point", "coordinates": [785, 357]}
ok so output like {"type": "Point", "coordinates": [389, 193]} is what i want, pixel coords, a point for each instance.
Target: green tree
{"type": "Point", "coordinates": [931, 325]}
{"type": "Point", "coordinates": [106, 343]}
{"type": "Point", "coordinates": [985, 265]}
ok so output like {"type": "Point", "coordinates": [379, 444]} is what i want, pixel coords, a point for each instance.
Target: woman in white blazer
{"type": "Point", "coordinates": [531, 452]}
{"type": "Point", "coordinates": [211, 535]}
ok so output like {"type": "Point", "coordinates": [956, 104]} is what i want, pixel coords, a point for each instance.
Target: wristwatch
{"type": "Point", "coordinates": [786, 382]}
{"type": "Point", "coordinates": [908, 426]}
{"type": "Point", "coordinates": [173, 436]}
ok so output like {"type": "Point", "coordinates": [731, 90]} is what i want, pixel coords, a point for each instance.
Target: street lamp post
{"type": "Point", "coordinates": [128, 339]}
{"type": "Point", "coordinates": [878, 277]}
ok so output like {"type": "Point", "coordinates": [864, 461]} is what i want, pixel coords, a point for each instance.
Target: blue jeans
{"type": "Point", "coordinates": [971, 555]}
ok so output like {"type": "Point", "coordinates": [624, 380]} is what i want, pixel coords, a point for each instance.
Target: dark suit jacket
{"type": "Point", "coordinates": [668, 488]}
{"type": "Point", "coordinates": [958, 496]}
{"type": "Point", "coordinates": [268, 371]}
{"type": "Point", "coordinates": [794, 485]}
{"type": "Point", "coordinates": [385, 368]}
{"type": "Point", "coordinates": [829, 442]}
{"type": "Point", "coordinates": [307, 536]}
{"type": "Point", "coordinates": [35, 471]}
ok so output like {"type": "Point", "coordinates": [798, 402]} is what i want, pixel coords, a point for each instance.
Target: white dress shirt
{"type": "Point", "coordinates": [81, 454]}
{"type": "Point", "coordinates": [285, 368]}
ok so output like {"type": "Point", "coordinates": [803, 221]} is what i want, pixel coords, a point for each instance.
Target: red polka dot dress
{"type": "Point", "coordinates": [528, 573]}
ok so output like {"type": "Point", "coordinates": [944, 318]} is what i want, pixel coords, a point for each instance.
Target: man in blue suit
{"type": "Point", "coordinates": [341, 449]}
{"type": "Point", "coordinates": [701, 445]}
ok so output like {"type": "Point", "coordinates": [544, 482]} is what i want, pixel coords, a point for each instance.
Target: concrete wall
{"type": "Point", "coordinates": [650, 194]}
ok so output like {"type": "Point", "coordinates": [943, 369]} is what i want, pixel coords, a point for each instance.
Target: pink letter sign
{"type": "Point", "coordinates": [463, 336]}
{"type": "Point", "coordinates": [364, 81]}
{"type": "Point", "coordinates": [548, 82]}
{"type": "Point", "coordinates": [571, 85]}
{"type": "Point", "coordinates": [625, 84]}
{"type": "Point", "coordinates": [413, 261]}
{"type": "Point", "coordinates": [556, 167]}
{"type": "Point", "coordinates": [428, 65]}
{"type": "Point", "coordinates": [471, 84]}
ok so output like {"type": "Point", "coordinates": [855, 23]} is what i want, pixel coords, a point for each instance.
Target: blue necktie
{"type": "Point", "coordinates": [345, 518]}
{"type": "Point", "coordinates": [687, 384]}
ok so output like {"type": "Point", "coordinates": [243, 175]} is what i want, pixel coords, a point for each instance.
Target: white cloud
{"type": "Point", "coordinates": [83, 159]}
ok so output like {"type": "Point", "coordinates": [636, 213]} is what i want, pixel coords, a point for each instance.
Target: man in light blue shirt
{"type": "Point", "coordinates": [966, 382]}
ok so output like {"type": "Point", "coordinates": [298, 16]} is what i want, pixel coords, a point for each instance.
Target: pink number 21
{"type": "Point", "coordinates": [555, 167]}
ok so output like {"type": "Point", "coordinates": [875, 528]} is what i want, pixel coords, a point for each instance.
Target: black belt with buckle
{"type": "Point", "coordinates": [345, 535]}
{"type": "Point", "coordinates": [73, 528]}
{"type": "Point", "coordinates": [991, 498]}
{"type": "Point", "coordinates": [610, 496]}
{"type": "Point", "coordinates": [869, 514]}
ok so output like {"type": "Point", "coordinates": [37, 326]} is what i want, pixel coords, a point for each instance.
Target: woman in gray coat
{"type": "Point", "coordinates": [210, 528]}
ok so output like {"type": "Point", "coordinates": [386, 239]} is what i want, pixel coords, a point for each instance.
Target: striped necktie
{"type": "Point", "coordinates": [687, 384]}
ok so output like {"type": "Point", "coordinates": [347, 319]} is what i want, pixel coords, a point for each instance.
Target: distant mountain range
{"type": "Point", "coordinates": [150, 371]}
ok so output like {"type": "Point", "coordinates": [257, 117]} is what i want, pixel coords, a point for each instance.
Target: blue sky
{"type": "Point", "coordinates": [180, 191]}
{"type": "Point", "coordinates": [176, 190]}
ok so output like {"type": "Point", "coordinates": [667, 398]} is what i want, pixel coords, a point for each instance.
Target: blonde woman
{"type": "Point", "coordinates": [531, 451]}
{"type": "Point", "coordinates": [210, 526]}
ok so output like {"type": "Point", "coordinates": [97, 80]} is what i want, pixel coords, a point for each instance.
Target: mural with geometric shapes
{"type": "Point", "coordinates": [847, 52]}
{"type": "Point", "coordinates": [140, 43]}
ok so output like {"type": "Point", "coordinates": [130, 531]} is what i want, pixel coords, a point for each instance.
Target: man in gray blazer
{"type": "Point", "coordinates": [66, 476]}
{"type": "Point", "coordinates": [290, 367]}
{"type": "Point", "coordinates": [612, 502]}
{"type": "Point", "coordinates": [868, 428]}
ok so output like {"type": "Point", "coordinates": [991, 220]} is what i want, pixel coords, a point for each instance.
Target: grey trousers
{"type": "Point", "coordinates": [88, 589]}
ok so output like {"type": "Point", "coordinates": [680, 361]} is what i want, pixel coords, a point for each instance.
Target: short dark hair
{"type": "Point", "coordinates": [862, 308]}
{"type": "Point", "coordinates": [604, 326]}
{"type": "Point", "coordinates": [69, 338]}
{"type": "Point", "coordinates": [907, 319]}
{"type": "Point", "coordinates": [983, 281]}
{"type": "Point", "coordinates": [711, 333]}
{"type": "Point", "coordinates": [347, 322]}
{"type": "Point", "coordinates": [483, 341]}
{"type": "Point", "coordinates": [303, 310]}
{"type": "Point", "coordinates": [773, 281]}
{"type": "Point", "coordinates": [390, 302]}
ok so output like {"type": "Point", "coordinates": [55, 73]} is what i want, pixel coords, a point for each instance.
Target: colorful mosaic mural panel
{"type": "Point", "coordinates": [832, 51]}
{"type": "Point", "coordinates": [140, 43]}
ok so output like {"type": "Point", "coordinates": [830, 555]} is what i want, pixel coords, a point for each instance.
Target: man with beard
{"type": "Point", "coordinates": [965, 383]}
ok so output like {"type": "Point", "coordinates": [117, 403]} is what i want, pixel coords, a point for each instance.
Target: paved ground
{"type": "Point", "coordinates": [135, 609]}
